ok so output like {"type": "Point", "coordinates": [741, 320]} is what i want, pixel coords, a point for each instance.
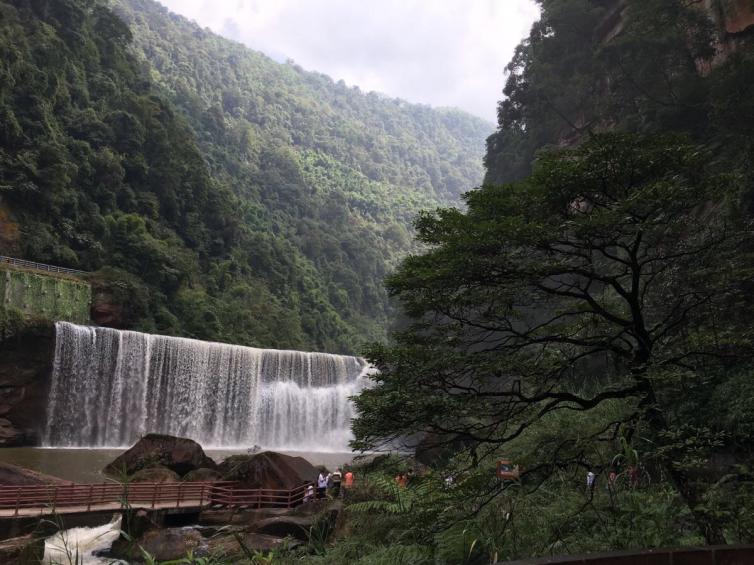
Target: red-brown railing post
{"type": "Point", "coordinates": [18, 499]}
{"type": "Point", "coordinates": [177, 504]}
{"type": "Point", "coordinates": [155, 488]}
{"type": "Point", "coordinates": [91, 494]}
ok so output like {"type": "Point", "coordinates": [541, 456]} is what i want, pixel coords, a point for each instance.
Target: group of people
{"type": "Point", "coordinates": [632, 479]}
{"type": "Point", "coordinates": [336, 483]}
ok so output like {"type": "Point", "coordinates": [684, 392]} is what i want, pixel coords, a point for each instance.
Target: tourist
{"type": "Point", "coordinates": [348, 483]}
{"type": "Point", "coordinates": [590, 483]}
{"type": "Point", "coordinates": [309, 495]}
{"type": "Point", "coordinates": [335, 480]}
{"type": "Point", "coordinates": [322, 484]}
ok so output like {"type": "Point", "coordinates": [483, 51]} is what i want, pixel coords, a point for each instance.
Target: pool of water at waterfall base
{"type": "Point", "coordinates": [85, 465]}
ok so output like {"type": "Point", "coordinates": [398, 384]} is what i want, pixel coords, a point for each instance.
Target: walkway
{"type": "Point", "coordinates": [46, 500]}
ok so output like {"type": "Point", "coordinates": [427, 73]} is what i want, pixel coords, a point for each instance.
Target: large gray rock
{"type": "Point", "coordinates": [268, 470]}
{"type": "Point", "coordinates": [178, 454]}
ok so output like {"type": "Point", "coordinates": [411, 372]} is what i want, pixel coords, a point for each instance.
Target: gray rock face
{"type": "Point", "coordinates": [180, 455]}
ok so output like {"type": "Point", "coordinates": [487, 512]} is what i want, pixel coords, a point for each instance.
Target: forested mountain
{"type": "Point", "coordinates": [218, 194]}
{"type": "Point", "coordinates": [629, 65]}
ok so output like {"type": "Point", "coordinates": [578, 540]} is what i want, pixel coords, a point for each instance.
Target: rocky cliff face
{"type": "Point", "coordinates": [25, 369]}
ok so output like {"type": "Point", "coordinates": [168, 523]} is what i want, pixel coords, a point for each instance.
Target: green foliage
{"type": "Point", "coordinates": [244, 200]}
{"type": "Point", "coordinates": [44, 297]}
{"type": "Point", "coordinates": [592, 289]}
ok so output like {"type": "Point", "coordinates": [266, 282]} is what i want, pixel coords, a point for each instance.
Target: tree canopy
{"type": "Point", "coordinates": [616, 274]}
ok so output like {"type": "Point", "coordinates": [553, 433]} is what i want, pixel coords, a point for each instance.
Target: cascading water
{"type": "Point", "coordinates": [109, 387]}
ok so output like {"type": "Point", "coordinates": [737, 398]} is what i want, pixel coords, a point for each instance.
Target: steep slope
{"type": "Point", "coordinates": [631, 65]}
{"type": "Point", "coordinates": [238, 199]}
{"type": "Point", "coordinates": [337, 173]}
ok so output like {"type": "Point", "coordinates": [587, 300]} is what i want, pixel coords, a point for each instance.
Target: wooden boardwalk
{"type": "Point", "coordinates": [46, 500]}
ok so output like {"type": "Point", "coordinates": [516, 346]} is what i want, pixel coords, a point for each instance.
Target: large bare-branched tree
{"type": "Point", "coordinates": [617, 272]}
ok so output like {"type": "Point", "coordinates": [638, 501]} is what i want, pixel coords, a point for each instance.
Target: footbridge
{"type": "Point", "coordinates": [48, 500]}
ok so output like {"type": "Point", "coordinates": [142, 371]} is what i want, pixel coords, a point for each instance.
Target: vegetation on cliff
{"type": "Point", "coordinates": [225, 196]}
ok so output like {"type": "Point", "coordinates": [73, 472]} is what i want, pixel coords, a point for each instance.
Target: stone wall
{"type": "Point", "coordinates": [43, 296]}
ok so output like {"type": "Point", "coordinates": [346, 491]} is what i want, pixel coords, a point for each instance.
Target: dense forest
{"type": "Point", "coordinates": [215, 193]}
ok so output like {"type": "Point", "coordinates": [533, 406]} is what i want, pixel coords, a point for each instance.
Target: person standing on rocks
{"type": "Point", "coordinates": [321, 485]}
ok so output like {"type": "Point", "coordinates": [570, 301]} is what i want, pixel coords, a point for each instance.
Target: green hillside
{"type": "Point", "coordinates": [219, 194]}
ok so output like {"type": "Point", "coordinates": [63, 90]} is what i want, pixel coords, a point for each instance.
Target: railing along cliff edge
{"type": "Point", "coordinates": [39, 266]}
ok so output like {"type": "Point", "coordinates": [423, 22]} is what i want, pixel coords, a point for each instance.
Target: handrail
{"type": "Point", "coordinates": [58, 498]}
{"type": "Point", "coordinates": [40, 266]}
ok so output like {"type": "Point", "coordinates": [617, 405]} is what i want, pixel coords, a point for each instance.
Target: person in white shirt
{"type": "Point", "coordinates": [321, 485]}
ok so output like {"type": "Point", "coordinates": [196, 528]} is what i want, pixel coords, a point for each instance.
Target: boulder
{"type": "Point", "coordinates": [157, 474]}
{"type": "Point", "coordinates": [269, 470]}
{"type": "Point", "coordinates": [202, 475]}
{"type": "Point", "coordinates": [18, 476]}
{"type": "Point", "coordinates": [178, 454]}
{"type": "Point", "coordinates": [24, 549]}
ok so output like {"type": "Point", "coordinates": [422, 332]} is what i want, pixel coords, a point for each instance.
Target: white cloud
{"type": "Point", "coordinates": [439, 52]}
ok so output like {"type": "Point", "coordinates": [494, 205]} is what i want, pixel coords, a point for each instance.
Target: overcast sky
{"type": "Point", "coordinates": [438, 52]}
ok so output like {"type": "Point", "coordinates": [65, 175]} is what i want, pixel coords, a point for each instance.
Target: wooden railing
{"type": "Point", "coordinates": [39, 266]}
{"type": "Point", "coordinates": [85, 498]}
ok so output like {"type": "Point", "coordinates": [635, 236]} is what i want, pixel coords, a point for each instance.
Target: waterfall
{"type": "Point", "coordinates": [109, 387]}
